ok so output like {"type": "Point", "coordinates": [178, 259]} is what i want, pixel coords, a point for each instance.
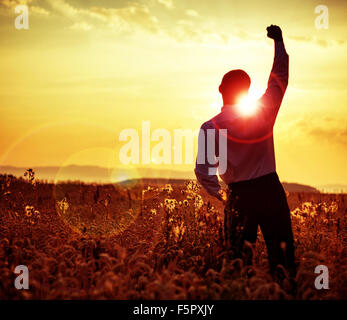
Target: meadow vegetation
{"type": "Point", "coordinates": [160, 241]}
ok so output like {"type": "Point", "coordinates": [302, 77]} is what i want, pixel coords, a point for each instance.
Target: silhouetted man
{"type": "Point", "coordinates": [255, 195]}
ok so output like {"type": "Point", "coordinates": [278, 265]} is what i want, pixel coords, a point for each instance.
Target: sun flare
{"type": "Point", "coordinates": [248, 103]}
{"type": "Point", "coordinates": [247, 106]}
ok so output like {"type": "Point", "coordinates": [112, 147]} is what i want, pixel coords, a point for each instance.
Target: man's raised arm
{"type": "Point", "coordinates": [278, 80]}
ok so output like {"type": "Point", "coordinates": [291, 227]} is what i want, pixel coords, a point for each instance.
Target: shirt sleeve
{"type": "Point", "coordinates": [277, 84]}
{"type": "Point", "coordinates": [205, 172]}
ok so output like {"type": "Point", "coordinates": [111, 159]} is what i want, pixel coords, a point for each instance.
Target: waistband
{"type": "Point", "coordinates": [270, 177]}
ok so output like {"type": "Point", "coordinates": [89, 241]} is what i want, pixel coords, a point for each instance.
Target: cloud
{"type": "Point", "coordinates": [188, 30]}
{"type": "Point", "coordinates": [167, 3]}
{"type": "Point", "coordinates": [13, 3]}
{"type": "Point", "coordinates": [330, 134]}
{"type": "Point", "coordinates": [314, 40]}
{"type": "Point", "coordinates": [192, 13]}
{"type": "Point", "coordinates": [134, 15]}
{"type": "Point", "coordinates": [325, 129]}
{"type": "Point", "coordinates": [122, 19]}
{"type": "Point", "coordinates": [64, 8]}
{"type": "Point", "coordinates": [125, 17]}
{"type": "Point", "coordinates": [7, 6]}
{"type": "Point", "coordinates": [83, 26]}
{"type": "Point", "coordinates": [39, 10]}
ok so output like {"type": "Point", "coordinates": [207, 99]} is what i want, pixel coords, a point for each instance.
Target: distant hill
{"type": "Point", "coordinates": [97, 174]}
{"type": "Point", "coordinates": [296, 187]}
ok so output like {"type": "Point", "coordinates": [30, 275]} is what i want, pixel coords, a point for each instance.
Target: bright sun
{"type": "Point", "coordinates": [247, 104]}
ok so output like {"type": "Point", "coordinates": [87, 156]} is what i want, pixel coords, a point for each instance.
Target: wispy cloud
{"type": "Point", "coordinates": [324, 129]}
{"type": "Point", "coordinates": [314, 40]}
{"type": "Point", "coordinates": [192, 13]}
{"type": "Point", "coordinates": [167, 3]}
{"type": "Point", "coordinates": [13, 3]}
{"type": "Point", "coordinates": [34, 6]}
{"type": "Point", "coordinates": [122, 19]}
{"type": "Point", "coordinates": [187, 30]}
{"type": "Point", "coordinates": [330, 134]}
{"type": "Point", "coordinates": [39, 10]}
{"type": "Point", "coordinates": [81, 26]}
{"type": "Point", "coordinates": [175, 19]}
{"type": "Point", "coordinates": [164, 17]}
{"type": "Point", "coordinates": [135, 14]}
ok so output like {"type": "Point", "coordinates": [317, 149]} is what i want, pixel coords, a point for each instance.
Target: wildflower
{"type": "Point", "coordinates": [186, 203]}
{"type": "Point", "coordinates": [192, 187]}
{"type": "Point", "coordinates": [170, 204]}
{"type": "Point", "coordinates": [179, 231]}
{"type": "Point", "coordinates": [30, 175]}
{"type": "Point", "coordinates": [167, 188]}
{"type": "Point", "coordinates": [198, 202]}
{"type": "Point", "coordinates": [8, 181]}
{"type": "Point", "coordinates": [29, 210]}
{"type": "Point", "coordinates": [63, 205]}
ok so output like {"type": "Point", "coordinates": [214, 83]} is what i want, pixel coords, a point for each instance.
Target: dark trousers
{"type": "Point", "coordinates": [261, 201]}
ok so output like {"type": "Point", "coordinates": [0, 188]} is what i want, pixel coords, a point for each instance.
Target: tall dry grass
{"type": "Point", "coordinates": [84, 241]}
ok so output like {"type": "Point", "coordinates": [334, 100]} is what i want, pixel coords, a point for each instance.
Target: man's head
{"type": "Point", "coordinates": [234, 84]}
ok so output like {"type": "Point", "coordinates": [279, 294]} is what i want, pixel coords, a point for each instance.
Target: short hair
{"type": "Point", "coordinates": [235, 81]}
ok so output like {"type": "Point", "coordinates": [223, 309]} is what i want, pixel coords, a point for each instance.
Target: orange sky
{"type": "Point", "coordinates": [87, 69]}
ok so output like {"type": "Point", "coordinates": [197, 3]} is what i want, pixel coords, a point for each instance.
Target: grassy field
{"type": "Point", "coordinates": [157, 241]}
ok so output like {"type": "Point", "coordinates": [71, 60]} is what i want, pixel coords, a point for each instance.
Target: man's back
{"type": "Point", "coordinates": [250, 147]}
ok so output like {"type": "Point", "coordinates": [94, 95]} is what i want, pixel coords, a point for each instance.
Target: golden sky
{"type": "Point", "coordinates": [85, 70]}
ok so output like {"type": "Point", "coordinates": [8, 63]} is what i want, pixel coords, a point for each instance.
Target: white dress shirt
{"type": "Point", "coordinates": [250, 146]}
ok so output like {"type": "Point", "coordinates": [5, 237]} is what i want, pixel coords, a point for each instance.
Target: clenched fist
{"type": "Point", "coordinates": [274, 32]}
